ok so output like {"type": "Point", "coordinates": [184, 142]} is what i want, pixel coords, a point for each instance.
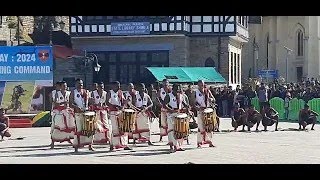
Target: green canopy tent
{"type": "Point", "coordinates": [187, 74]}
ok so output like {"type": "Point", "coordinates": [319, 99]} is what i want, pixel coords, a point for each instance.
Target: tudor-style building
{"type": "Point", "coordinates": [125, 45]}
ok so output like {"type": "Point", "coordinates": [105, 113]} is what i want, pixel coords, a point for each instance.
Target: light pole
{"type": "Point", "coordinates": [255, 58]}
{"type": "Point", "coordinates": [88, 58]}
{"type": "Point", "coordinates": [287, 59]}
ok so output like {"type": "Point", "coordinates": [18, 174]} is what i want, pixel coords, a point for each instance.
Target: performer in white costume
{"type": "Point", "coordinates": [142, 104]}
{"type": "Point", "coordinates": [128, 95]}
{"type": "Point", "coordinates": [116, 102]}
{"type": "Point", "coordinates": [103, 125]}
{"type": "Point", "coordinates": [79, 101]}
{"type": "Point", "coordinates": [163, 116]}
{"type": "Point", "coordinates": [203, 100]}
{"type": "Point", "coordinates": [173, 102]}
{"type": "Point", "coordinates": [63, 125]}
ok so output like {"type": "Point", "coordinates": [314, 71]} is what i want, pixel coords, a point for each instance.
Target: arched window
{"type": "Point", "coordinates": [299, 43]}
{"type": "Point", "coordinates": [209, 62]}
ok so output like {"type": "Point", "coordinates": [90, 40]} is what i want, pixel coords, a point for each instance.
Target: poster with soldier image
{"type": "Point", "coordinates": [17, 97]}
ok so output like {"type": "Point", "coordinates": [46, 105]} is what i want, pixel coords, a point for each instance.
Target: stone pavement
{"type": "Point", "coordinates": [281, 147]}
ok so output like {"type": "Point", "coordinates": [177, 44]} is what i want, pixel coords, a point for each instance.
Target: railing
{"type": "Point", "coordinates": [295, 105]}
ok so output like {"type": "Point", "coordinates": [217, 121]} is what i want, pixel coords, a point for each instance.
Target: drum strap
{"type": "Point", "coordinates": [120, 96]}
{"type": "Point", "coordinates": [206, 97]}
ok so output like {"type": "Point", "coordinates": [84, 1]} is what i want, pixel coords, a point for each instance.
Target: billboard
{"type": "Point", "coordinates": [25, 72]}
{"type": "Point", "coordinates": [130, 28]}
{"type": "Point", "coordinates": [26, 63]}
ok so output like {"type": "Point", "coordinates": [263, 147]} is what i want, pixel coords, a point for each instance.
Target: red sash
{"type": "Point", "coordinates": [59, 108]}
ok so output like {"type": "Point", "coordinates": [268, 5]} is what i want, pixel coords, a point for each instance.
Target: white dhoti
{"type": "Point", "coordinates": [163, 123]}
{"type": "Point", "coordinates": [63, 125]}
{"type": "Point", "coordinates": [80, 139]}
{"type": "Point", "coordinates": [103, 127]}
{"type": "Point", "coordinates": [172, 140]}
{"type": "Point", "coordinates": [119, 139]}
{"type": "Point", "coordinates": [203, 137]}
{"type": "Point", "coordinates": [142, 129]}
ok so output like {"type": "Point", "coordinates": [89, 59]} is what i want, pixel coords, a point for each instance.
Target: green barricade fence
{"type": "Point", "coordinates": [295, 105]}
{"type": "Point", "coordinates": [278, 104]}
{"type": "Point", "coordinates": [315, 106]}
{"type": "Point", "coordinates": [255, 103]}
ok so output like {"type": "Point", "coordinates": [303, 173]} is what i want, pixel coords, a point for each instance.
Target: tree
{"type": "Point", "coordinates": [15, 22]}
{"type": "Point", "coordinates": [44, 23]}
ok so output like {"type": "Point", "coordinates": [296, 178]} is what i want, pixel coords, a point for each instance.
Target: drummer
{"type": "Point", "coordinates": [203, 100]}
{"type": "Point", "coordinates": [99, 97]}
{"type": "Point", "coordinates": [63, 125]}
{"type": "Point", "coordinates": [79, 101]}
{"type": "Point", "coordinates": [173, 105]}
{"type": "Point", "coordinates": [52, 94]}
{"type": "Point", "coordinates": [143, 104]}
{"type": "Point", "coordinates": [163, 116]}
{"type": "Point", "coordinates": [131, 93]}
{"type": "Point", "coordinates": [238, 117]}
{"type": "Point", "coordinates": [116, 102]}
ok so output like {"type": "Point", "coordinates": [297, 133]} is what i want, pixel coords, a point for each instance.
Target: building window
{"type": "Point", "coordinates": [94, 18]}
{"type": "Point", "coordinates": [300, 43]}
{"type": "Point", "coordinates": [129, 66]}
{"type": "Point", "coordinates": [209, 62]}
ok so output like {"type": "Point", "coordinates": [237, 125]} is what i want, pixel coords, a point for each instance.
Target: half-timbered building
{"type": "Point", "coordinates": [125, 45]}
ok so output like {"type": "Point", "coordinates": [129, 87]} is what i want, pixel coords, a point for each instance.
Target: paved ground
{"type": "Point", "coordinates": [281, 147]}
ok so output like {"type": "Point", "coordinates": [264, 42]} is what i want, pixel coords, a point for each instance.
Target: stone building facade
{"type": "Point", "coordinates": [7, 35]}
{"type": "Point", "coordinates": [270, 41]}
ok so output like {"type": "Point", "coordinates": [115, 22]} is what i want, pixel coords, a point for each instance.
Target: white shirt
{"type": "Point", "coordinates": [200, 99]}
{"type": "Point", "coordinates": [114, 98]}
{"type": "Point", "coordinates": [173, 101]}
{"type": "Point", "coordinates": [163, 94]}
{"type": "Point", "coordinates": [78, 99]}
{"type": "Point", "coordinates": [98, 99]}
{"type": "Point", "coordinates": [141, 102]}
{"type": "Point", "coordinates": [62, 98]}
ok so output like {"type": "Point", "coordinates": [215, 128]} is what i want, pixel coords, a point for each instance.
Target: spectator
{"type": "Point", "coordinates": [263, 96]}
{"type": "Point", "coordinates": [286, 105]}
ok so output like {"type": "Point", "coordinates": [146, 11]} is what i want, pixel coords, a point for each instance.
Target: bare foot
{"type": "Point", "coordinates": [150, 143]}
{"type": "Point", "coordinates": [211, 145]}
{"type": "Point", "coordinates": [91, 148]}
{"type": "Point", "coordinates": [180, 149]}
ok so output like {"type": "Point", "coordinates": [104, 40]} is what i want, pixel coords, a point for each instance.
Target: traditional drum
{"type": "Point", "coordinates": [127, 121]}
{"type": "Point", "coordinates": [88, 126]}
{"type": "Point", "coordinates": [181, 126]}
{"type": "Point", "coordinates": [209, 119]}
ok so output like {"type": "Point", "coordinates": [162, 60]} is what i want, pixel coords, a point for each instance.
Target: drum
{"type": "Point", "coordinates": [209, 119]}
{"type": "Point", "coordinates": [88, 126]}
{"type": "Point", "coordinates": [181, 126]}
{"type": "Point", "coordinates": [127, 121]}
